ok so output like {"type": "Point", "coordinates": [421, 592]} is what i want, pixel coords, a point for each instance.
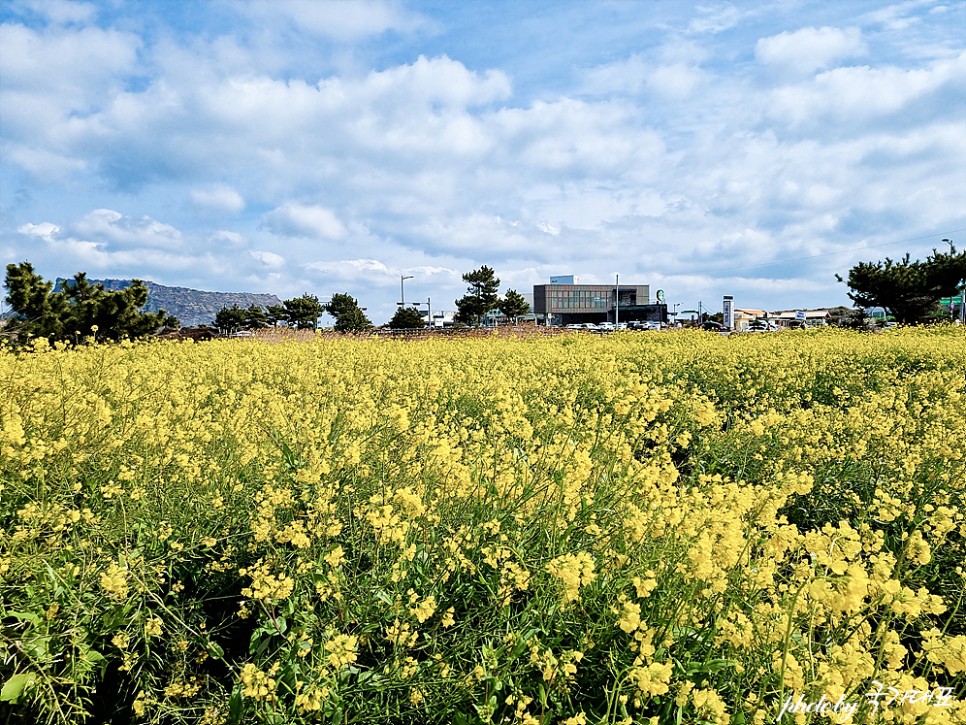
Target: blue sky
{"type": "Point", "coordinates": [704, 148]}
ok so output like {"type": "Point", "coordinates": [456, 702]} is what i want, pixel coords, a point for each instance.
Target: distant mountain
{"type": "Point", "coordinates": [191, 306]}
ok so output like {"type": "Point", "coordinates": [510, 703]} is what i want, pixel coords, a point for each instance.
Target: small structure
{"type": "Point", "coordinates": [802, 318]}
{"type": "Point", "coordinates": [743, 317]}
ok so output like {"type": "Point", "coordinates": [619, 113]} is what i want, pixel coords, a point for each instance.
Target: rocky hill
{"type": "Point", "coordinates": [191, 306]}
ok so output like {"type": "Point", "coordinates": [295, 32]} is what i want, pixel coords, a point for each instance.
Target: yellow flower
{"type": "Point", "coordinates": [341, 650]}
{"type": "Point", "coordinates": [652, 680]}
{"type": "Point", "coordinates": [114, 582]}
{"type": "Point", "coordinates": [152, 627]}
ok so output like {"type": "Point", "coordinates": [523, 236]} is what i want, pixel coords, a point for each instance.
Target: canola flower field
{"type": "Point", "coordinates": [642, 528]}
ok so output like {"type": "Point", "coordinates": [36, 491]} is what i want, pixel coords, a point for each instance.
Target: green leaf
{"type": "Point", "coordinates": [34, 619]}
{"type": "Point", "coordinates": [235, 707]}
{"type": "Point", "coordinates": [38, 647]}
{"type": "Point", "coordinates": [14, 687]}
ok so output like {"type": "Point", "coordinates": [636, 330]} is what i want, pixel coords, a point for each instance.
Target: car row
{"type": "Point", "coordinates": [611, 326]}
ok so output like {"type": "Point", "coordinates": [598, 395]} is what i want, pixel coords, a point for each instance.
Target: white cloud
{"type": "Point", "coordinates": [61, 71]}
{"type": "Point", "coordinates": [218, 198]}
{"type": "Point", "coordinates": [226, 238]}
{"type": "Point", "coordinates": [63, 12]}
{"type": "Point", "coordinates": [862, 93]}
{"type": "Point", "coordinates": [269, 259]}
{"type": "Point", "coordinates": [635, 75]}
{"type": "Point", "coordinates": [112, 227]}
{"type": "Point", "coordinates": [714, 18]}
{"type": "Point", "coordinates": [810, 49]}
{"type": "Point", "coordinates": [44, 230]}
{"type": "Point", "coordinates": [342, 20]}
{"type": "Point", "coordinates": [352, 269]}
{"type": "Point", "coordinates": [296, 220]}
{"type": "Point", "coordinates": [548, 228]}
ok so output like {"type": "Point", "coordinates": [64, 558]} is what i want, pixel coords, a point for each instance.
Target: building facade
{"type": "Point", "coordinates": [567, 304]}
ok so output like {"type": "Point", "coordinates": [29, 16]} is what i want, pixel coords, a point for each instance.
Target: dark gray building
{"type": "Point", "coordinates": [568, 304]}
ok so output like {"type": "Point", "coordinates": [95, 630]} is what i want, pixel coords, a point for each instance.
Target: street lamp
{"type": "Point", "coordinates": [402, 288]}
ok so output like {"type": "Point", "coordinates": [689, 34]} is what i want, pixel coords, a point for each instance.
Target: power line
{"type": "Point", "coordinates": [826, 254]}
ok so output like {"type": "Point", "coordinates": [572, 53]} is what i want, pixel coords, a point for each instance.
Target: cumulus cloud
{"type": "Point", "coordinates": [63, 12]}
{"type": "Point", "coordinates": [342, 20]}
{"type": "Point", "coordinates": [635, 75]}
{"type": "Point", "coordinates": [114, 228]}
{"type": "Point", "coordinates": [296, 220]}
{"type": "Point", "coordinates": [218, 199]}
{"type": "Point", "coordinates": [44, 230]}
{"type": "Point", "coordinates": [372, 270]}
{"type": "Point", "coordinates": [50, 75]}
{"type": "Point", "coordinates": [858, 94]}
{"type": "Point", "coordinates": [106, 243]}
{"type": "Point", "coordinates": [810, 49]}
{"type": "Point", "coordinates": [269, 259]}
{"type": "Point", "coordinates": [714, 18]}
{"type": "Point", "coordinates": [227, 238]}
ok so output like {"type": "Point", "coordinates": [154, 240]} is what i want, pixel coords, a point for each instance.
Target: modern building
{"type": "Point", "coordinates": [568, 304]}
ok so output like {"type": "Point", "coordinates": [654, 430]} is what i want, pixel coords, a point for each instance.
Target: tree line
{"type": "Point", "coordinates": [302, 313]}
{"type": "Point", "coordinates": [78, 310]}
{"type": "Point", "coordinates": [481, 298]}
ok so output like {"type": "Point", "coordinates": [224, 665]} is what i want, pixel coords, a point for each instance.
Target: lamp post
{"type": "Point", "coordinates": [402, 288]}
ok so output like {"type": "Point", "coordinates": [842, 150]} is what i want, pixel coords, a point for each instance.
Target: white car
{"type": "Point", "coordinates": [762, 326]}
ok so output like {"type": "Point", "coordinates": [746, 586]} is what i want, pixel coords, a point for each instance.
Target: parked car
{"type": "Point", "coordinates": [711, 326]}
{"type": "Point", "coordinates": [762, 326]}
{"type": "Point", "coordinates": [605, 326]}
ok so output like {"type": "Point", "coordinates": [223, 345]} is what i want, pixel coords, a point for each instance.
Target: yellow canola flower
{"type": "Point", "coordinates": [574, 571]}
{"type": "Point", "coordinates": [114, 581]}
{"type": "Point", "coordinates": [341, 650]}
{"type": "Point", "coordinates": [653, 679]}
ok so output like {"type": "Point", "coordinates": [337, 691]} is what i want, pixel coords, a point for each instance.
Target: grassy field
{"type": "Point", "coordinates": [662, 527]}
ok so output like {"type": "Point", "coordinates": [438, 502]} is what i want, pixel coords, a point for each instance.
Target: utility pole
{"type": "Point", "coordinates": [617, 301]}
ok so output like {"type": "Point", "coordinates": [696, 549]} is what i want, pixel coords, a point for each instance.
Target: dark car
{"type": "Point", "coordinates": [710, 326]}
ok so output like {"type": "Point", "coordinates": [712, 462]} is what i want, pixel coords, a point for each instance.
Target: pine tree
{"type": "Point", "coordinates": [349, 317]}
{"type": "Point", "coordinates": [78, 309]}
{"type": "Point", "coordinates": [514, 305]}
{"type": "Point", "coordinates": [407, 318]}
{"type": "Point", "coordinates": [910, 291]}
{"type": "Point", "coordinates": [481, 295]}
